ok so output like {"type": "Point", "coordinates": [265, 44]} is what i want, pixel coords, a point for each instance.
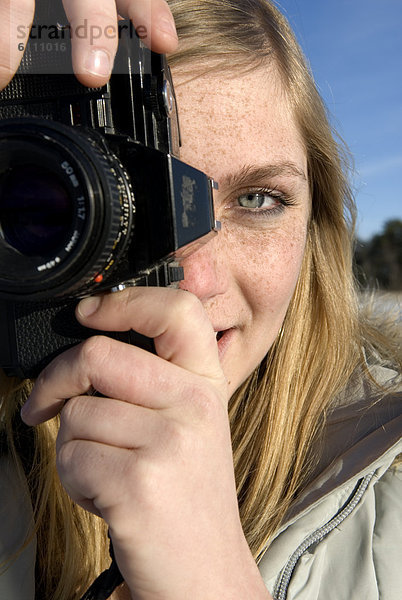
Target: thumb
{"type": "Point", "coordinates": [15, 22]}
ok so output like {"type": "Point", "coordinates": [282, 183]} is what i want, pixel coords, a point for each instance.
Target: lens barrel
{"type": "Point", "coordinates": [66, 210]}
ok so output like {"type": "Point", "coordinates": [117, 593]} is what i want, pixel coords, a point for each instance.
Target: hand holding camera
{"type": "Point", "coordinates": [154, 455]}
{"type": "Point", "coordinates": [92, 63]}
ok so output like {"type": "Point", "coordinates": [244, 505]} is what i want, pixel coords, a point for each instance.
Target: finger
{"type": "Point", "coordinates": [95, 33]}
{"type": "Point", "coordinates": [175, 319]}
{"type": "Point", "coordinates": [109, 422]}
{"type": "Point", "coordinates": [93, 26]}
{"type": "Point", "coordinates": [15, 22]}
{"type": "Point", "coordinates": [153, 21]}
{"type": "Point", "coordinates": [84, 467]}
{"type": "Point", "coordinates": [83, 471]}
{"type": "Point", "coordinates": [116, 370]}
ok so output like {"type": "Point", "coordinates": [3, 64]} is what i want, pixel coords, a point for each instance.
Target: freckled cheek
{"type": "Point", "coordinates": [267, 267]}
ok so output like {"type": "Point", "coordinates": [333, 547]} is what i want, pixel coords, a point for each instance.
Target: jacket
{"type": "Point", "coordinates": [342, 539]}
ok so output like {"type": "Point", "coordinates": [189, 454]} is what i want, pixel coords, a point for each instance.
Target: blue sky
{"type": "Point", "coordinates": [355, 51]}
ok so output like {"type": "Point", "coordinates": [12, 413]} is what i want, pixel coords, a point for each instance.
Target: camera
{"type": "Point", "coordinates": [93, 195]}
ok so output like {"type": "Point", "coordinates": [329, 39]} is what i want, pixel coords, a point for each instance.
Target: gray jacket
{"type": "Point", "coordinates": [342, 539]}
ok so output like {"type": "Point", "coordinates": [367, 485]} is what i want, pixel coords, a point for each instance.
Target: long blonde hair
{"type": "Point", "coordinates": [277, 414]}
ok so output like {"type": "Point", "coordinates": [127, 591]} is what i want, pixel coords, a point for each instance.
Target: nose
{"type": "Point", "coordinates": [206, 272]}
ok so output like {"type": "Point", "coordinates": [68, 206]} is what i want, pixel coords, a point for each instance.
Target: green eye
{"type": "Point", "coordinates": [260, 204]}
{"type": "Point", "coordinates": [256, 200]}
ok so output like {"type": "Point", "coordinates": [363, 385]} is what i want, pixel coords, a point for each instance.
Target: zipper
{"type": "Point", "coordinates": [282, 584]}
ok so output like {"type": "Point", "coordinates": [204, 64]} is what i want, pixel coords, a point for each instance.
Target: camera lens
{"type": "Point", "coordinates": [66, 210]}
{"type": "Point", "coordinates": [36, 210]}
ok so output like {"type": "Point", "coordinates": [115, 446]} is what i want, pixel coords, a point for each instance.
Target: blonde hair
{"type": "Point", "coordinates": [277, 414]}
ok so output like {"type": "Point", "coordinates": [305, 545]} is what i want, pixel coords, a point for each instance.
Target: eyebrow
{"type": "Point", "coordinates": [249, 173]}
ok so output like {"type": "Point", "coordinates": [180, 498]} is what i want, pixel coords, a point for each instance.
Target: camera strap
{"type": "Point", "coordinates": [105, 584]}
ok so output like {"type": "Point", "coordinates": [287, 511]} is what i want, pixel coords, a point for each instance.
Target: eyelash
{"type": "Point", "coordinates": [284, 201]}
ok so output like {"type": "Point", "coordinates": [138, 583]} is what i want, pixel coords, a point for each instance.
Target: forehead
{"type": "Point", "coordinates": [236, 119]}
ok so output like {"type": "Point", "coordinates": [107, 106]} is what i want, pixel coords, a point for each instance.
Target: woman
{"type": "Point", "coordinates": [261, 353]}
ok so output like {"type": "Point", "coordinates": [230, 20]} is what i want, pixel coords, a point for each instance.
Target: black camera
{"type": "Point", "coordinates": [93, 196]}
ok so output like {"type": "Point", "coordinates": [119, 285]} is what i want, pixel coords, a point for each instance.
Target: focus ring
{"type": "Point", "coordinates": [100, 203]}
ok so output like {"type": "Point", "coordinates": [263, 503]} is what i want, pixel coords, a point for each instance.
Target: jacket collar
{"type": "Point", "coordinates": [361, 427]}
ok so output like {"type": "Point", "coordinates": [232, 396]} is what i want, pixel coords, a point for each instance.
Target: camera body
{"type": "Point", "coordinates": [93, 196]}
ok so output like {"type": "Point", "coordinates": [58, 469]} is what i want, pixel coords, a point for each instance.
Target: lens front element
{"type": "Point", "coordinates": [36, 210]}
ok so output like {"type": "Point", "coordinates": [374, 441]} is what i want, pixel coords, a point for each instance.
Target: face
{"type": "Point", "coordinates": [240, 131]}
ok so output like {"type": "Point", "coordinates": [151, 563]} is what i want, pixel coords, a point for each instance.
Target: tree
{"type": "Point", "coordinates": [379, 260]}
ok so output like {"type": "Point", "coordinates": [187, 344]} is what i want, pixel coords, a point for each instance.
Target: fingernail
{"type": "Point", "coordinates": [88, 306]}
{"type": "Point", "coordinates": [167, 25]}
{"type": "Point", "coordinates": [98, 62]}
